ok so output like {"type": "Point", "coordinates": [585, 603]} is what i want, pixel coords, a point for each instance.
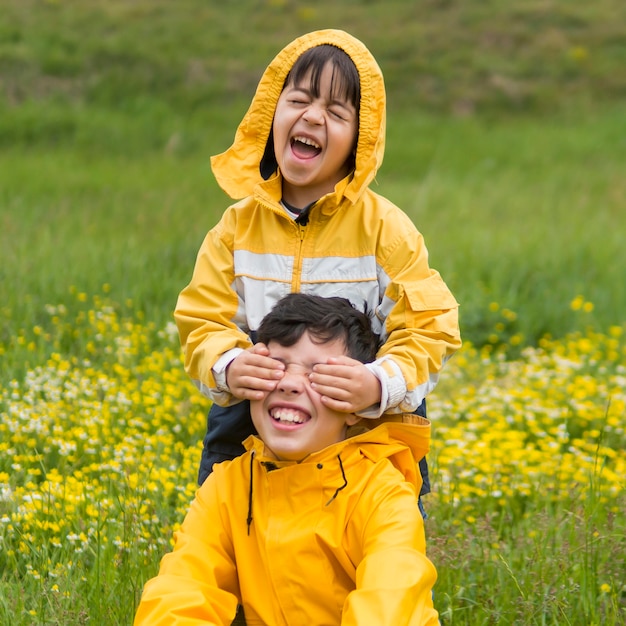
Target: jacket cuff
{"type": "Point", "coordinates": [219, 368]}
{"type": "Point", "coordinates": [392, 387]}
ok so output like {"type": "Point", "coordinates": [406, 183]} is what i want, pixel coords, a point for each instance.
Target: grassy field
{"type": "Point", "coordinates": [529, 230]}
{"type": "Point", "coordinates": [506, 146]}
{"type": "Point", "coordinates": [110, 111]}
{"type": "Point", "coordinates": [99, 447]}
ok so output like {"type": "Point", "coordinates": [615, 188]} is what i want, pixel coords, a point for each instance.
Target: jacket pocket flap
{"type": "Point", "coordinates": [430, 294]}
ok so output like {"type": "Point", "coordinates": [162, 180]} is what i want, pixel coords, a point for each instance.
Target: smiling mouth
{"type": "Point", "coordinates": [305, 148]}
{"type": "Point", "coordinates": [289, 416]}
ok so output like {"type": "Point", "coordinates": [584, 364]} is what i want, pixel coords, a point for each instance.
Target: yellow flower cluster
{"type": "Point", "coordinates": [550, 424]}
{"type": "Point", "coordinates": [97, 457]}
{"type": "Point", "coordinates": [99, 446]}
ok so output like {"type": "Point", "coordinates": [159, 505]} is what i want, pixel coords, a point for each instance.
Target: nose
{"type": "Point", "coordinates": [294, 379]}
{"type": "Point", "coordinates": [313, 114]}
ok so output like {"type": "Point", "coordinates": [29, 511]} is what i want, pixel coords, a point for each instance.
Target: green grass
{"type": "Point", "coordinates": [99, 447]}
{"type": "Point", "coordinates": [527, 214]}
{"type": "Point", "coordinates": [447, 56]}
{"type": "Point", "coordinates": [541, 568]}
{"type": "Point", "coordinates": [506, 144]}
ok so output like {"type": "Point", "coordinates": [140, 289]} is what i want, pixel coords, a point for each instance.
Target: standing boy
{"type": "Point", "coordinates": [306, 221]}
{"type": "Point", "coordinates": [307, 526]}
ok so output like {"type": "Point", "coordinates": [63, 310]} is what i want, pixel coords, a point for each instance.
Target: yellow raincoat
{"type": "Point", "coordinates": [335, 539]}
{"type": "Point", "coordinates": [356, 244]}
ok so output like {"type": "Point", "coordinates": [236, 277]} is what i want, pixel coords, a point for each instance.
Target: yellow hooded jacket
{"type": "Point", "coordinates": [334, 539]}
{"type": "Point", "coordinates": [356, 244]}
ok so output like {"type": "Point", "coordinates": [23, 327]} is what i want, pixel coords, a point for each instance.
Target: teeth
{"type": "Point", "coordinates": [289, 415]}
{"type": "Point", "coordinates": [308, 142]}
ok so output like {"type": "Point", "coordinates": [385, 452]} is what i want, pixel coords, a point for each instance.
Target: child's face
{"type": "Point", "coordinates": [291, 420]}
{"type": "Point", "coordinates": [313, 139]}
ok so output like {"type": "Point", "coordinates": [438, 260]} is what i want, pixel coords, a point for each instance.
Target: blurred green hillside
{"type": "Point", "coordinates": [506, 146]}
{"type": "Point", "coordinates": [62, 62]}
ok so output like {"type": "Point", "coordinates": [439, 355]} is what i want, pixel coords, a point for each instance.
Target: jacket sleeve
{"type": "Point", "coordinates": [394, 578]}
{"type": "Point", "coordinates": [197, 582]}
{"type": "Point", "coordinates": [419, 320]}
{"type": "Point", "coordinates": [208, 310]}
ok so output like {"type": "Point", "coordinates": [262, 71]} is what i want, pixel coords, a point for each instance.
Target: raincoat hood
{"type": "Point", "coordinates": [238, 169]}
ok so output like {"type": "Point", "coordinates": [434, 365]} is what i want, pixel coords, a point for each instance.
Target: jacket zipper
{"type": "Point", "coordinates": [296, 278]}
{"type": "Point", "coordinates": [296, 282]}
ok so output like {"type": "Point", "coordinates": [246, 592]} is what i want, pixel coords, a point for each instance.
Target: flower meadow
{"type": "Point", "coordinates": [99, 446]}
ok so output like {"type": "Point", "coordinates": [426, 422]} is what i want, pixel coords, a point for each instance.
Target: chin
{"type": "Point", "coordinates": [289, 455]}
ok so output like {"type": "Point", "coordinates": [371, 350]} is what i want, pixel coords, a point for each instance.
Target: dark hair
{"type": "Point", "coordinates": [325, 319]}
{"type": "Point", "coordinates": [345, 83]}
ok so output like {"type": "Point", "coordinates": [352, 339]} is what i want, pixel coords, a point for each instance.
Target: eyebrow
{"type": "Point", "coordinates": [346, 104]}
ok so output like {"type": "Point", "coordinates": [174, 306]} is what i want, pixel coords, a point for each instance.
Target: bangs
{"type": "Point", "coordinates": [345, 82]}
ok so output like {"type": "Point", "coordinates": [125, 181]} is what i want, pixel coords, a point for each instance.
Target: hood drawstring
{"type": "Point", "coordinates": [345, 481]}
{"type": "Point", "coordinates": [249, 518]}
{"type": "Point", "coordinates": [269, 466]}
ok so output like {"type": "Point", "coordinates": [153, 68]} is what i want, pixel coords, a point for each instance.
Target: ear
{"type": "Point", "coordinates": [352, 419]}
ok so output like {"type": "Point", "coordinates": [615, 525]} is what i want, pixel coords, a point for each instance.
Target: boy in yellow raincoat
{"type": "Point", "coordinates": [310, 525]}
{"type": "Point", "coordinates": [307, 221]}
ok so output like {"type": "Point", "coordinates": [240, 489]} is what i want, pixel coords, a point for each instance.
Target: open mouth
{"type": "Point", "coordinates": [289, 416]}
{"type": "Point", "coordinates": [304, 147]}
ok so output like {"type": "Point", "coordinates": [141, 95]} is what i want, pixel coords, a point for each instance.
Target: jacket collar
{"type": "Point", "coordinates": [403, 444]}
{"type": "Point", "coordinates": [393, 440]}
{"type": "Point", "coordinates": [269, 192]}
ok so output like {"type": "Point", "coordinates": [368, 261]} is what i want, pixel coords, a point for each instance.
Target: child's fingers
{"type": "Point", "coordinates": [348, 388]}
{"type": "Point", "coordinates": [251, 372]}
{"type": "Point", "coordinates": [260, 348]}
{"type": "Point", "coordinates": [341, 367]}
{"type": "Point", "coordinates": [251, 388]}
{"type": "Point", "coordinates": [333, 391]}
{"type": "Point", "coordinates": [260, 366]}
{"type": "Point", "coordinates": [338, 405]}
{"type": "Point", "coordinates": [267, 371]}
{"type": "Point", "coordinates": [330, 376]}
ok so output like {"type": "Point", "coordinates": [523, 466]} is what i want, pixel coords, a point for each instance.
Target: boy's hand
{"type": "Point", "coordinates": [253, 373]}
{"type": "Point", "coordinates": [345, 384]}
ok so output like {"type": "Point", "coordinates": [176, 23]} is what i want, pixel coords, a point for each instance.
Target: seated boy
{"type": "Point", "coordinates": [310, 525]}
